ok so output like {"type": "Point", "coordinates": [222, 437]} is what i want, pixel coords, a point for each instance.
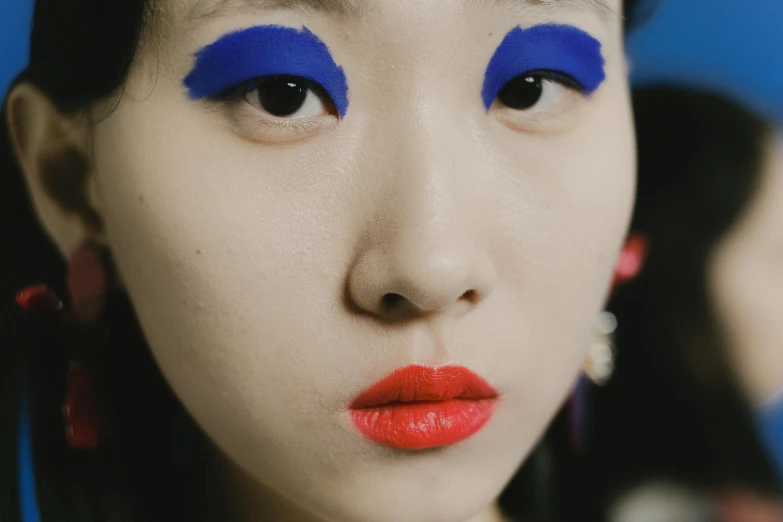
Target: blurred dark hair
{"type": "Point", "coordinates": [151, 464]}
{"type": "Point", "coordinates": [674, 410]}
{"type": "Point", "coordinates": [154, 462]}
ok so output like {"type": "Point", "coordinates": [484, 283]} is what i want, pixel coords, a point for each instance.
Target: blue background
{"type": "Point", "coordinates": [15, 18]}
{"type": "Point", "coordinates": [735, 46]}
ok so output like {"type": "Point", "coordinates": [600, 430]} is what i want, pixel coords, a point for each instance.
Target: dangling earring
{"type": "Point", "coordinates": [597, 369]}
{"type": "Point", "coordinates": [599, 363]}
{"type": "Point", "coordinates": [599, 360]}
{"type": "Point", "coordinates": [87, 283]}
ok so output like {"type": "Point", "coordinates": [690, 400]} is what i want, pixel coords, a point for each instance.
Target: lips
{"type": "Point", "coordinates": [420, 407]}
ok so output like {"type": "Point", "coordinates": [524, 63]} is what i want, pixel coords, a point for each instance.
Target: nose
{"type": "Point", "coordinates": [423, 252]}
{"type": "Point", "coordinates": [419, 276]}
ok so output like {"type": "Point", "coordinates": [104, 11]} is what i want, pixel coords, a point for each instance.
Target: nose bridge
{"type": "Point", "coordinates": [433, 169]}
{"type": "Point", "coordinates": [429, 208]}
{"type": "Point", "coordinates": [433, 164]}
{"type": "Point", "coordinates": [424, 248]}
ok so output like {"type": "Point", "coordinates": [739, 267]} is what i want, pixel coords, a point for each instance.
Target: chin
{"type": "Point", "coordinates": [395, 502]}
{"type": "Point", "coordinates": [431, 486]}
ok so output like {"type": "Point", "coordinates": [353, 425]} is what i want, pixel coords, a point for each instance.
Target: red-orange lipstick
{"type": "Point", "coordinates": [419, 407]}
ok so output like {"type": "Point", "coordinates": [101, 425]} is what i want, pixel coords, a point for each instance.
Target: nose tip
{"type": "Point", "coordinates": [399, 287]}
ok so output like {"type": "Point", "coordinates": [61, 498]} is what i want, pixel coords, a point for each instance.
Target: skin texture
{"type": "Point", "coordinates": [747, 279]}
{"type": "Point", "coordinates": [257, 256]}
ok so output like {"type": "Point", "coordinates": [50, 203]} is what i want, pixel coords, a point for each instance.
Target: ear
{"type": "Point", "coordinates": [53, 152]}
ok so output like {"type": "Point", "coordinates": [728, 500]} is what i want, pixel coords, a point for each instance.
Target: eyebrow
{"type": "Point", "coordinates": [597, 7]}
{"type": "Point", "coordinates": [356, 8]}
{"type": "Point", "coordinates": [209, 8]}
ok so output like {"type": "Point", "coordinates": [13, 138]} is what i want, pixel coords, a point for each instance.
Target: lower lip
{"type": "Point", "coordinates": [423, 425]}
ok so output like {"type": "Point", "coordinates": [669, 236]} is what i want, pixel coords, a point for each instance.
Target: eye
{"type": "Point", "coordinates": [540, 102]}
{"type": "Point", "coordinates": [539, 91]}
{"type": "Point", "coordinates": [289, 97]}
{"type": "Point", "coordinates": [277, 109]}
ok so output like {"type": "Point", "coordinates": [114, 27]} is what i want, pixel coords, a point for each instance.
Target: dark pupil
{"type": "Point", "coordinates": [282, 95]}
{"type": "Point", "coordinates": [523, 92]}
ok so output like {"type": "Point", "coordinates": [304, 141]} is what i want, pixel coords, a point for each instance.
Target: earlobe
{"type": "Point", "coordinates": [52, 150]}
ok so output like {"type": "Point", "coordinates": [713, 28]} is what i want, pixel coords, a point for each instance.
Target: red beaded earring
{"type": "Point", "coordinates": [631, 260]}
{"type": "Point", "coordinates": [87, 282]}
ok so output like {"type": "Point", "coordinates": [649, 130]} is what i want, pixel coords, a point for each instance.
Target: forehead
{"type": "Point", "coordinates": [176, 28]}
{"type": "Point", "coordinates": [195, 10]}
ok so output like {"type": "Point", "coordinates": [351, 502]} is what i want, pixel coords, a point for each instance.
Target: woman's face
{"type": "Point", "coordinates": [747, 277]}
{"type": "Point", "coordinates": [397, 199]}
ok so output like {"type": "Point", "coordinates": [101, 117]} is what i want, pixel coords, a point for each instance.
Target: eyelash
{"type": "Point", "coordinates": [238, 92]}
{"type": "Point", "coordinates": [566, 80]}
{"type": "Point", "coordinates": [234, 93]}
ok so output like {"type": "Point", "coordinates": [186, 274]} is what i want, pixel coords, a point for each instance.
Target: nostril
{"type": "Point", "coordinates": [391, 301]}
{"type": "Point", "coordinates": [470, 295]}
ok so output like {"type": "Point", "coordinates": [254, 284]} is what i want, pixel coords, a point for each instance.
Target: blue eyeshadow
{"type": "Point", "coordinates": [557, 48]}
{"type": "Point", "coordinates": [267, 50]}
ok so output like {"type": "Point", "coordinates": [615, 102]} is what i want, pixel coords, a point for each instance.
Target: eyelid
{"type": "Point", "coordinates": [257, 125]}
{"type": "Point", "coordinates": [242, 89]}
{"type": "Point", "coordinates": [267, 50]}
{"type": "Point", "coordinates": [545, 47]}
{"type": "Point", "coordinates": [233, 93]}
{"type": "Point", "coordinates": [548, 121]}
{"type": "Point", "coordinates": [252, 125]}
{"type": "Point", "coordinates": [559, 77]}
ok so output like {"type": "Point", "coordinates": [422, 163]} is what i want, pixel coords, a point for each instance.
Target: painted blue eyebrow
{"type": "Point", "coordinates": [266, 50]}
{"type": "Point", "coordinates": [558, 48]}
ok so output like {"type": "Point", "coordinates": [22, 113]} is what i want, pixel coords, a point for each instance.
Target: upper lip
{"type": "Point", "coordinates": [419, 383]}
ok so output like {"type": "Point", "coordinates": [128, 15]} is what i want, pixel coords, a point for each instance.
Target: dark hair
{"type": "Point", "coordinates": [674, 410]}
{"type": "Point", "coordinates": [80, 52]}
{"type": "Point", "coordinates": [155, 455]}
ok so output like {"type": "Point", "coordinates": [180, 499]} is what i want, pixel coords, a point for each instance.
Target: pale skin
{"type": "Point", "coordinates": [257, 261]}
{"type": "Point", "coordinates": [747, 282]}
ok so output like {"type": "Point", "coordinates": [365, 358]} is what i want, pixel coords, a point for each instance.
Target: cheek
{"type": "Point", "coordinates": [559, 229]}
{"type": "Point", "coordinates": [569, 205]}
{"type": "Point", "coordinates": [232, 259]}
